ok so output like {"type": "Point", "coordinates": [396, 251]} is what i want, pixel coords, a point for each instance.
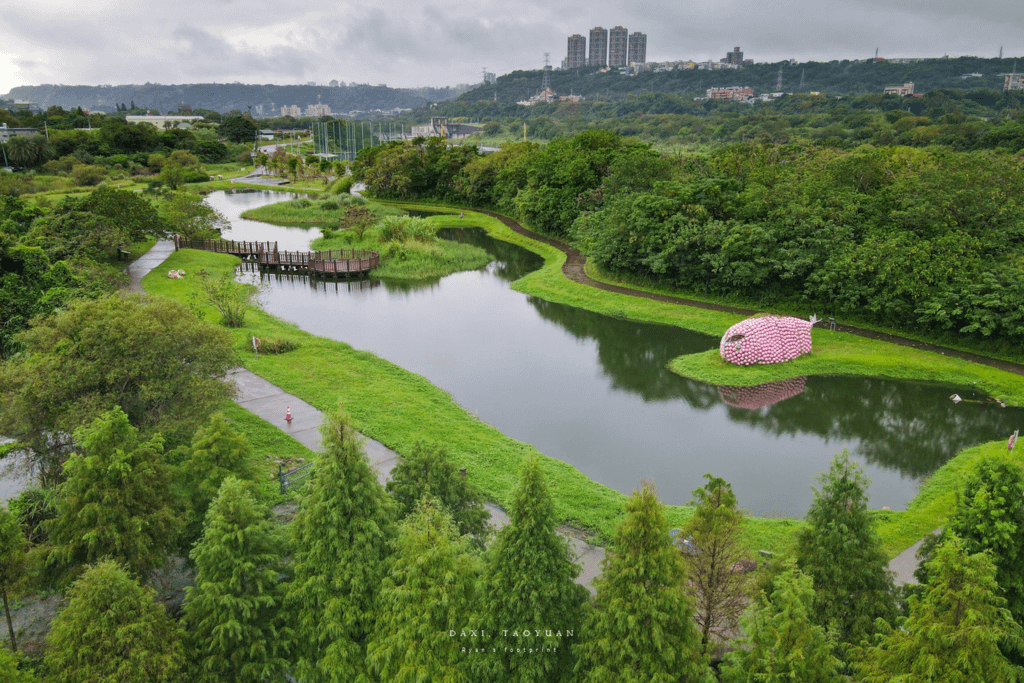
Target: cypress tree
{"type": "Point", "coordinates": [218, 451]}
{"type": "Point", "coordinates": [642, 627]}
{"type": "Point", "coordinates": [117, 500]}
{"type": "Point", "coordinates": [841, 552]}
{"type": "Point", "coordinates": [428, 470]}
{"type": "Point", "coordinates": [719, 593]}
{"type": "Point", "coordinates": [954, 628]}
{"type": "Point", "coordinates": [430, 589]}
{"type": "Point", "coordinates": [989, 515]}
{"type": "Point", "coordinates": [13, 567]}
{"type": "Point", "coordinates": [234, 613]}
{"type": "Point", "coordinates": [113, 630]}
{"type": "Point", "coordinates": [341, 539]}
{"type": "Point", "coordinates": [10, 671]}
{"type": "Point", "coordinates": [781, 644]}
{"type": "Point", "coordinates": [531, 599]}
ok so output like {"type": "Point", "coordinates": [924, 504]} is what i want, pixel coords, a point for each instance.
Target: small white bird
{"type": "Point", "coordinates": [955, 398]}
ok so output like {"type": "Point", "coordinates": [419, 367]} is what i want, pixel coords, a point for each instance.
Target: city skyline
{"type": "Point", "coordinates": [117, 42]}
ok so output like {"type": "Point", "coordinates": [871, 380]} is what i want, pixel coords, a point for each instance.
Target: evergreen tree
{"type": "Point", "coordinates": [530, 584]}
{"type": "Point", "coordinates": [10, 671]}
{"type": "Point", "coordinates": [953, 630]}
{"type": "Point", "coordinates": [781, 644]}
{"type": "Point", "coordinates": [841, 552]}
{"type": "Point", "coordinates": [116, 502]}
{"type": "Point", "coordinates": [218, 451]}
{"type": "Point", "coordinates": [234, 614]}
{"type": "Point", "coordinates": [989, 515]}
{"type": "Point", "coordinates": [13, 569]}
{"type": "Point", "coordinates": [341, 538]}
{"type": "Point", "coordinates": [642, 628]}
{"type": "Point", "coordinates": [428, 470]}
{"type": "Point", "coordinates": [430, 589]}
{"type": "Point", "coordinates": [113, 630]}
{"type": "Point", "coordinates": [718, 592]}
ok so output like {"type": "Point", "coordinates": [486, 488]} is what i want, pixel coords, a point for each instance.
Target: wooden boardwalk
{"type": "Point", "coordinates": [330, 263]}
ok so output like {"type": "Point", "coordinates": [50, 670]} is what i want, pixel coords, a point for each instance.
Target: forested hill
{"type": "Point", "coordinates": [225, 97]}
{"type": "Point", "coordinates": [836, 77]}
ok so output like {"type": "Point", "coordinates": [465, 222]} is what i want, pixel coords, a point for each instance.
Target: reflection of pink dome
{"type": "Point", "coordinates": [763, 394]}
{"type": "Point", "coordinates": [766, 339]}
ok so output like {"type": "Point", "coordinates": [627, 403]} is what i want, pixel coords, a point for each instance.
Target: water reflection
{"type": "Point", "coordinates": [595, 391]}
{"type": "Point", "coordinates": [762, 395]}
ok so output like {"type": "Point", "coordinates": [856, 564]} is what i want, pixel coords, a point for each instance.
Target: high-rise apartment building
{"type": "Point", "coordinates": [598, 47]}
{"type": "Point", "coordinates": [637, 49]}
{"type": "Point", "coordinates": [577, 52]}
{"type": "Point", "coordinates": [734, 57]}
{"type": "Point", "coordinates": [618, 39]}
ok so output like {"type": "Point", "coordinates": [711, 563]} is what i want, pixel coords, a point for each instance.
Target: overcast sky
{"type": "Point", "coordinates": [405, 44]}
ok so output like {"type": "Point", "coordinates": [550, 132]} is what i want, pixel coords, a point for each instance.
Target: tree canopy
{"type": "Point", "coordinates": [842, 553]}
{"type": "Point", "coordinates": [530, 580]}
{"type": "Point", "coordinates": [151, 357]}
{"type": "Point", "coordinates": [641, 627]}
{"type": "Point", "coordinates": [113, 630]}
{"type": "Point", "coordinates": [238, 628]}
{"type": "Point", "coordinates": [428, 470]}
{"type": "Point", "coordinates": [430, 590]}
{"type": "Point", "coordinates": [780, 641]}
{"type": "Point", "coordinates": [342, 536]}
{"type": "Point", "coordinates": [116, 500]}
{"type": "Point", "coordinates": [953, 630]}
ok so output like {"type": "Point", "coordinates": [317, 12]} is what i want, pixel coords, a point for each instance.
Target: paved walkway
{"type": "Point", "coordinates": [270, 402]}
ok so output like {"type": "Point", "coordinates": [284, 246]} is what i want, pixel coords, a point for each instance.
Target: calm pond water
{"type": "Point", "coordinates": [595, 391]}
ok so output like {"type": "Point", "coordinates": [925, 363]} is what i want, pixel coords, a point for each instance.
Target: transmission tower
{"type": "Point", "coordinates": [1000, 52]}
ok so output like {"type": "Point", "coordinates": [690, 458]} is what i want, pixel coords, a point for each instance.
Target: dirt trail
{"type": "Point", "coordinates": [574, 270]}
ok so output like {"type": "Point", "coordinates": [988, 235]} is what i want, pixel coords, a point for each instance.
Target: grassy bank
{"type": "Point", "coordinates": [834, 353]}
{"type": "Point", "coordinates": [409, 248]}
{"type": "Point", "coordinates": [324, 211]}
{"type": "Point", "coordinates": [398, 408]}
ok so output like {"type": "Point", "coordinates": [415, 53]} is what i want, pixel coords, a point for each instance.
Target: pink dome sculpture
{"type": "Point", "coordinates": [766, 339]}
{"type": "Point", "coordinates": [762, 395]}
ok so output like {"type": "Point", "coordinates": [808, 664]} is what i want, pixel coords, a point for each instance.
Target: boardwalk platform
{"type": "Point", "coordinates": [330, 263]}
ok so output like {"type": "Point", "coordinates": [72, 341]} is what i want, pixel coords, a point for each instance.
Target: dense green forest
{"type": "Point", "coordinates": [838, 77]}
{"type": "Point", "coordinates": [925, 240]}
{"type": "Point", "coordinates": [906, 219]}
{"type": "Point", "coordinates": [225, 97]}
{"type": "Point", "coordinates": [963, 119]}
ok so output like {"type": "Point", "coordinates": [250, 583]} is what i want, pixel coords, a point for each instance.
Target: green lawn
{"type": "Point", "coordinates": [398, 408]}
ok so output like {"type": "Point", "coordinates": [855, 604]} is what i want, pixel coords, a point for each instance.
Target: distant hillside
{"type": "Point", "coordinates": [837, 77]}
{"type": "Point", "coordinates": [225, 97]}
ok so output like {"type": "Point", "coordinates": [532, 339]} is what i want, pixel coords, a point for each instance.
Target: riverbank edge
{"type": "Point", "coordinates": [398, 408]}
{"type": "Point", "coordinates": [898, 529]}
{"type": "Point", "coordinates": [836, 353]}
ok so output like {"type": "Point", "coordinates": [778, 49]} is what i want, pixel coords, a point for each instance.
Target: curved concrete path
{"type": "Point", "coordinates": [270, 402]}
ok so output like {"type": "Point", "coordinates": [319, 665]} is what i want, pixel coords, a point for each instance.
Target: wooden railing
{"type": "Point", "coordinates": [330, 262]}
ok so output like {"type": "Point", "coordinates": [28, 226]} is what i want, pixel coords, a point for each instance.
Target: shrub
{"type": "Point", "coordinates": [342, 185]}
{"type": "Point", "coordinates": [329, 205]}
{"type": "Point", "coordinates": [62, 165]}
{"type": "Point", "coordinates": [83, 174]}
{"type": "Point", "coordinates": [278, 345]}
